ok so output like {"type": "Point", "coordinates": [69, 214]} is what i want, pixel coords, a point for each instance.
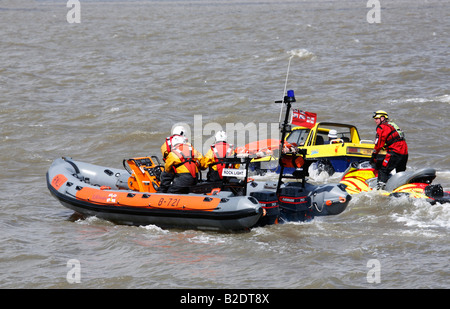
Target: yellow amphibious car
{"type": "Point", "coordinates": [328, 154]}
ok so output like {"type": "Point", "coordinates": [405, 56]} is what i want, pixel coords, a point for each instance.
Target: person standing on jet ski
{"type": "Point", "coordinates": [167, 178]}
{"type": "Point", "coordinates": [221, 149]}
{"type": "Point", "coordinates": [184, 162]}
{"type": "Point", "coordinates": [390, 137]}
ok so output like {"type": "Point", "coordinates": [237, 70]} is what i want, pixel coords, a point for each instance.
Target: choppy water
{"type": "Point", "coordinates": [112, 86]}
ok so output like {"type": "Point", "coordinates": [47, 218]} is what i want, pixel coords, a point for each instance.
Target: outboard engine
{"type": "Point", "coordinates": [295, 203]}
{"type": "Point", "coordinates": [434, 191]}
{"type": "Point", "coordinates": [269, 202]}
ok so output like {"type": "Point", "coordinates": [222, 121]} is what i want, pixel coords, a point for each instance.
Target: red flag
{"type": "Point", "coordinates": [303, 119]}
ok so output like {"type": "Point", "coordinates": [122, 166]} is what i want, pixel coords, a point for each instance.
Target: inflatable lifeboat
{"type": "Point", "coordinates": [362, 177]}
{"type": "Point", "coordinates": [124, 198]}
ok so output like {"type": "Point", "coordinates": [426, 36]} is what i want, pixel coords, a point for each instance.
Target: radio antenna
{"type": "Point", "coordinates": [285, 85]}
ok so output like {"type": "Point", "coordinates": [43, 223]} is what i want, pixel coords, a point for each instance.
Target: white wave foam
{"type": "Point", "coordinates": [207, 239]}
{"type": "Point", "coordinates": [316, 176]}
{"type": "Point", "coordinates": [423, 215]}
{"type": "Point", "coordinates": [91, 220]}
{"type": "Point", "coordinates": [322, 176]}
{"type": "Point", "coordinates": [260, 231]}
{"type": "Point", "coordinates": [416, 100]}
{"type": "Point", "coordinates": [154, 228]}
{"type": "Point", "coordinates": [302, 53]}
{"type": "Point", "coordinates": [443, 98]}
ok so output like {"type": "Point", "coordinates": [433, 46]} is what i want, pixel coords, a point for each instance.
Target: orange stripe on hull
{"type": "Point", "coordinates": [164, 201]}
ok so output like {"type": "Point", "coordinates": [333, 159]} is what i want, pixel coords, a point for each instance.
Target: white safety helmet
{"type": "Point", "coordinates": [332, 133]}
{"type": "Point", "coordinates": [221, 136]}
{"type": "Point", "coordinates": [178, 139]}
{"type": "Point", "coordinates": [179, 130]}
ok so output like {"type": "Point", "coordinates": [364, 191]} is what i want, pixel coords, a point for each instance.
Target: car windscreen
{"type": "Point", "coordinates": [298, 137]}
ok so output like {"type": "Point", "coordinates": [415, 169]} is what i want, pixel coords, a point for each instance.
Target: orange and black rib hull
{"type": "Point", "coordinates": [96, 197]}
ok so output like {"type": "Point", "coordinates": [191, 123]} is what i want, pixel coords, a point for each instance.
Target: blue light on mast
{"type": "Point", "coordinates": [290, 96]}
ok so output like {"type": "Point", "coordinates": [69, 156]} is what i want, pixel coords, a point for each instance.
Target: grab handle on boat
{"type": "Point", "coordinates": [77, 170]}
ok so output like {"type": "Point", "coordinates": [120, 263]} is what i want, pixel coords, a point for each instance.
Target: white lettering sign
{"type": "Point", "coordinates": [231, 172]}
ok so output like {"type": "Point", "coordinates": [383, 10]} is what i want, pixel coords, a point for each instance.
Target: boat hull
{"type": "Point", "coordinates": [187, 211]}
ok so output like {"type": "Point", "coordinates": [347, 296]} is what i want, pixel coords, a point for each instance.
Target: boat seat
{"type": "Point", "coordinates": [423, 175]}
{"type": "Point", "coordinates": [319, 140]}
{"type": "Point", "coordinates": [205, 187]}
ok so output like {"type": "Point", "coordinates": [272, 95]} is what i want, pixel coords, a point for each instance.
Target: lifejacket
{"type": "Point", "coordinates": [186, 154]}
{"type": "Point", "coordinates": [395, 139]}
{"type": "Point", "coordinates": [221, 150]}
{"type": "Point", "coordinates": [395, 135]}
{"type": "Point", "coordinates": [169, 143]}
